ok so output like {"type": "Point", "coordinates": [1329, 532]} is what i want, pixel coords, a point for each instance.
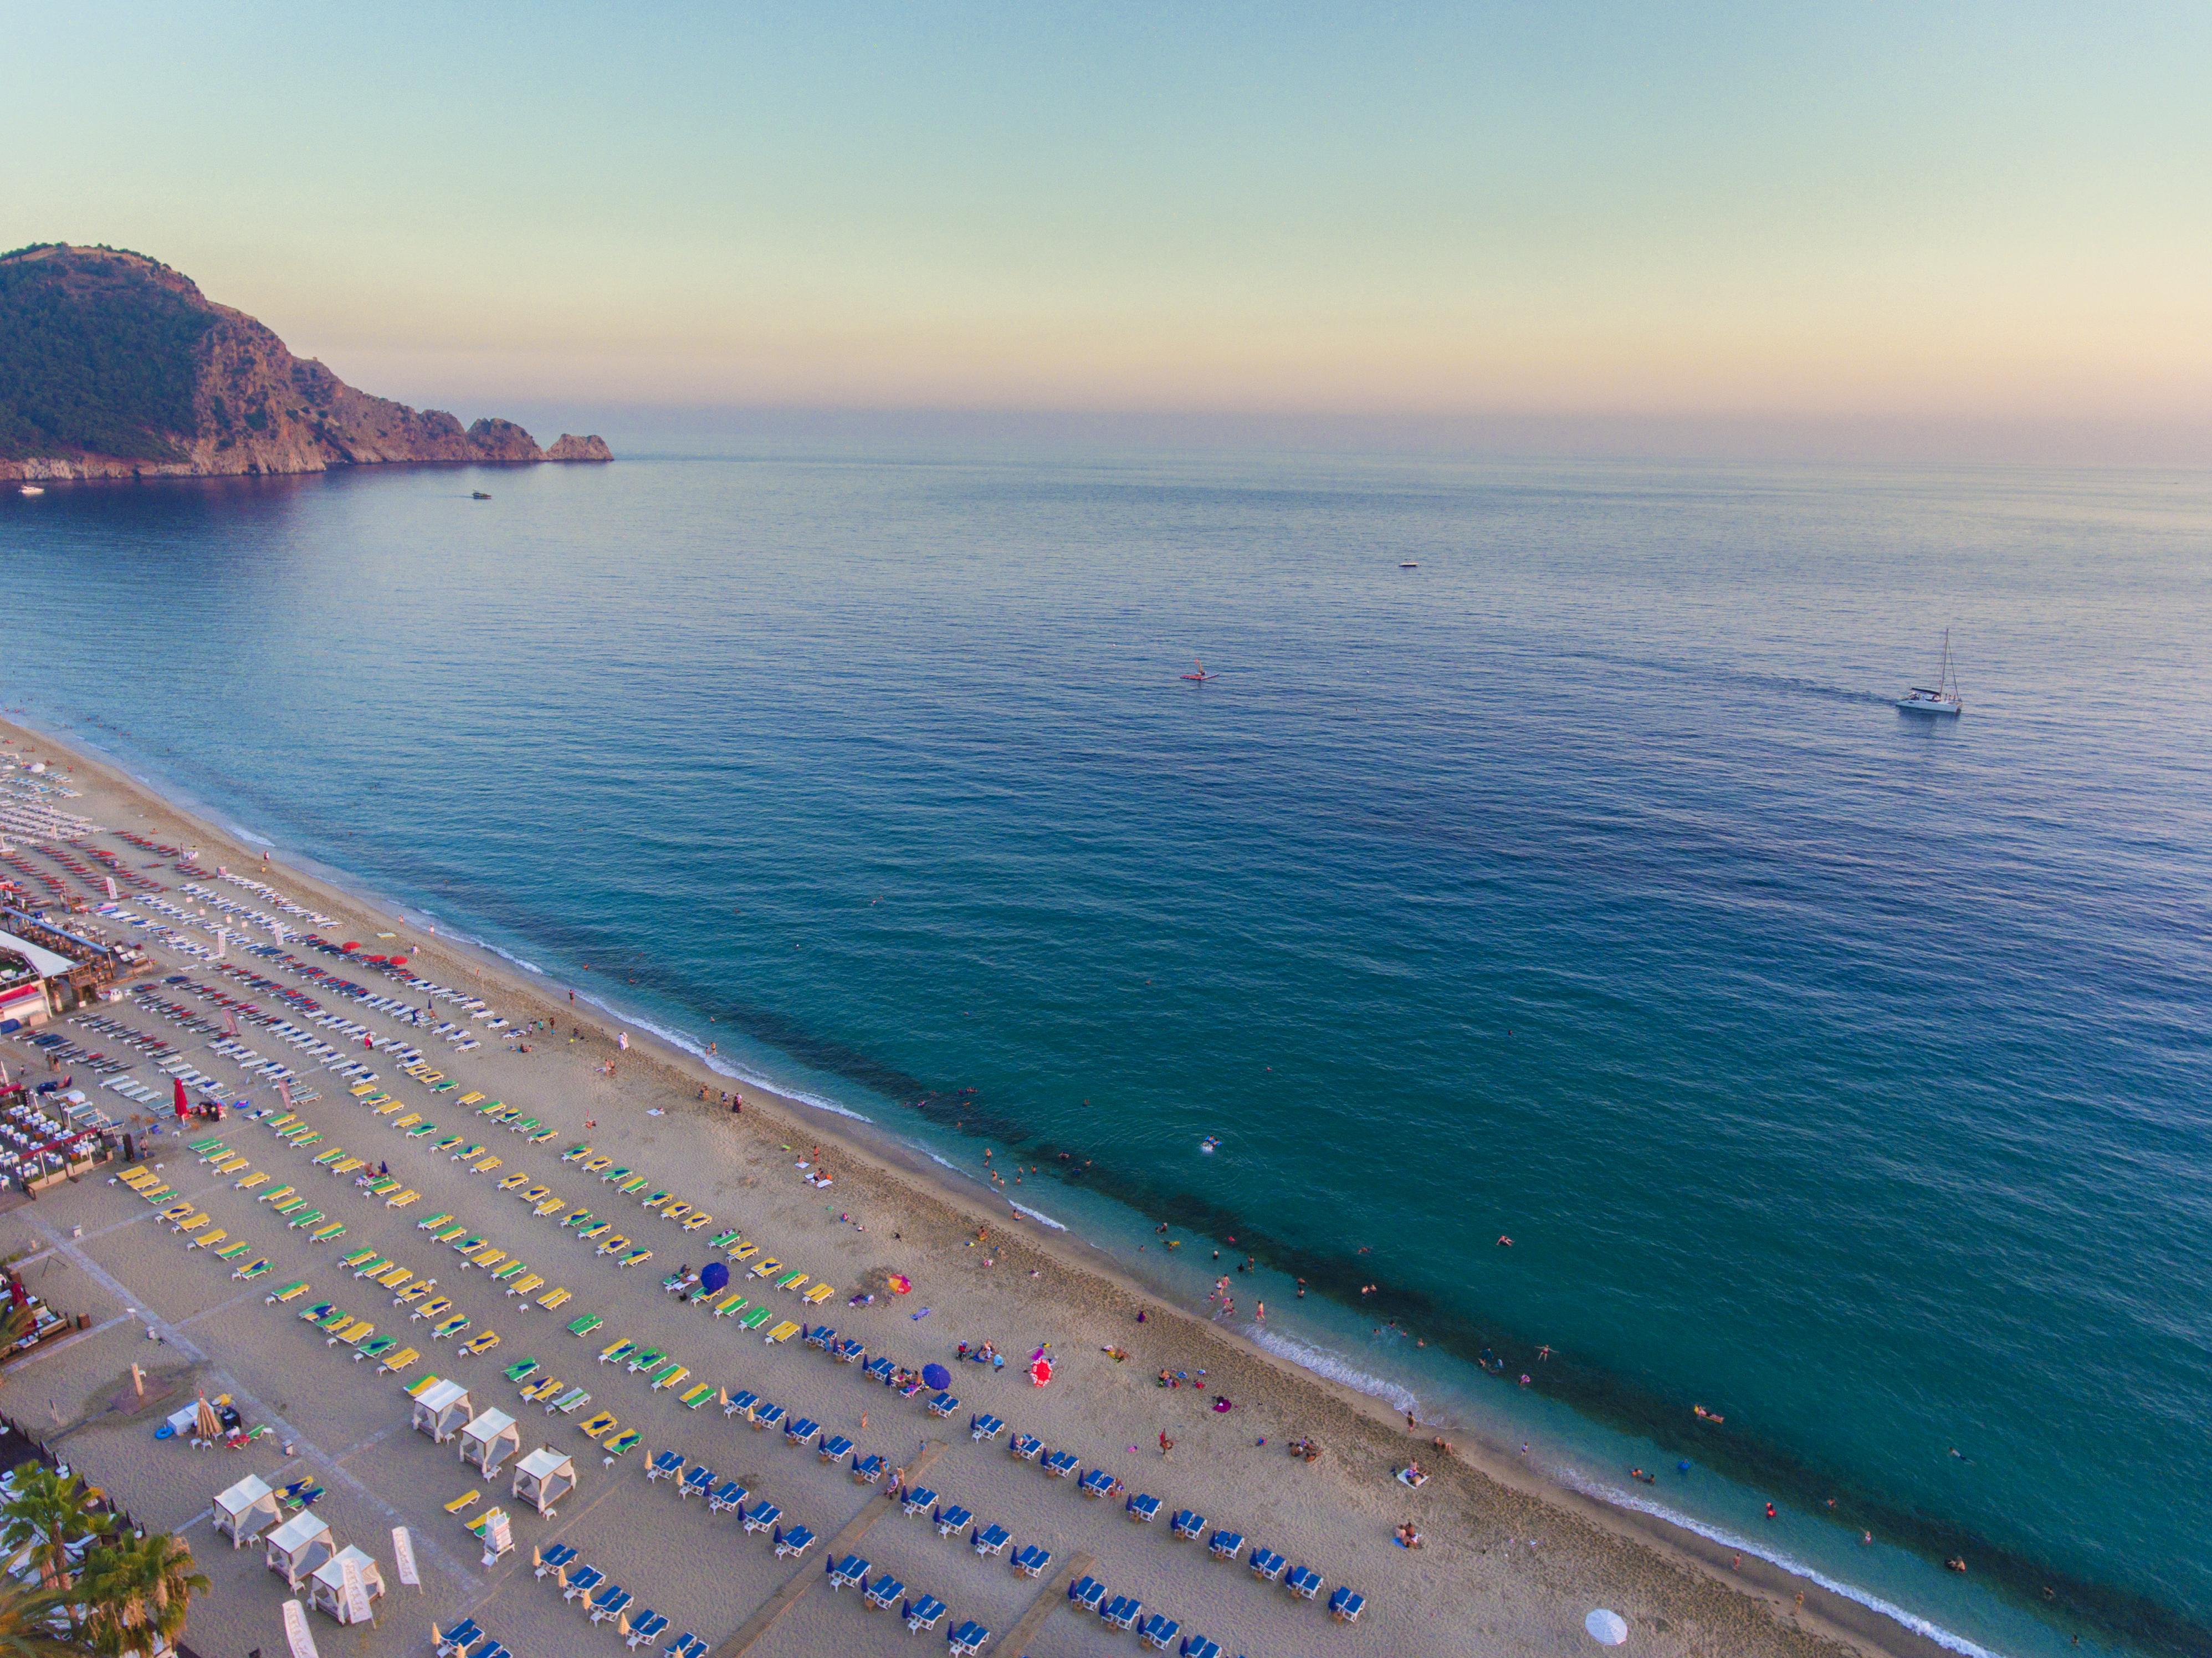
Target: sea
{"type": "Point", "coordinates": [1839, 1072]}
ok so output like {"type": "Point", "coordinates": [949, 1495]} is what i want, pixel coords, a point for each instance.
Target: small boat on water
{"type": "Point", "coordinates": [478, 495]}
{"type": "Point", "coordinates": [1201, 674]}
{"type": "Point", "coordinates": [1943, 698]}
{"type": "Point", "coordinates": [1211, 1142]}
{"type": "Point", "coordinates": [1408, 564]}
{"type": "Point", "coordinates": [30, 490]}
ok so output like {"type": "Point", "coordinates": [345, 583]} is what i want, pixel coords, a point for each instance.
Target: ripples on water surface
{"type": "Point", "coordinates": [1843, 1072]}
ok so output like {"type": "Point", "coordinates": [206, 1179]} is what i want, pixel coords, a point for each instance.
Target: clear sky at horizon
{"type": "Point", "coordinates": [1974, 212]}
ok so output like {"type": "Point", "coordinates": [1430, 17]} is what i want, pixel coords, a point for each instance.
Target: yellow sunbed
{"type": "Point", "coordinates": [818, 1294]}
{"type": "Point", "coordinates": [422, 1386]}
{"type": "Point", "coordinates": [251, 1181]}
{"type": "Point", "coordinates": [395, 1362]}
{"type": "Point", "coordinates": [553, 1299]}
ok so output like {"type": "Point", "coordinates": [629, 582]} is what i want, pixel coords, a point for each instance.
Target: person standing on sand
{"type": "Point", "coordinates": [1166, 1443]}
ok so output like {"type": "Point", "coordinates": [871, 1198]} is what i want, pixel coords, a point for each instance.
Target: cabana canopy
{"type": "Point", "coordinates": [329, 1594]}
{"type": "Point", "coordinates": [442, 1411]}
{"type": "Point", "coordinates": [298, 1547]}
{"type": "Point", "coordinates": [246, 1510]}
{"type": "Point", "coordinates": [490, 1439]}
{"type": "Point", "coordinates": [544, 1478]}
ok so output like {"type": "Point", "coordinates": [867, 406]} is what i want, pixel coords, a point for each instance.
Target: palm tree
{"type": "Point", "coordinates": [16, 1323]}
{"type": "Point", "coordinates": [33, 1624]}
{"type": "Point", "coordinates": [137, 1591]}
{"type": "Point", "coordinates": [48, 1513]}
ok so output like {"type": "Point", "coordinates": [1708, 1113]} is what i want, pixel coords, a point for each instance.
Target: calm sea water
{"type": "Point", "coordinates": [1846, 1074]}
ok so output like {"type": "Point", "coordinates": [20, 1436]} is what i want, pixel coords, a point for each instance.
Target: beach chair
{"type": "Point", "coordinates": [593, 1426]}
{"type": "Point", "coordinates": [329, 1233]}
{"type": "Point", "coordinates": [767, 1266]}
{"type": "Point", "coordinates": [922, 1615]}
{"type": "Point", "coordinates": [352, 1332]}
{"type": "Point", "coordinates": [834, 1448]}
{"type": "Point", "coordinates": [642, 1630]}
{"type": "Point", "coordinates": [376, 1349]}
{"type": "Point", "coordinates": [671, 1375]}
{"type": "Point", "coordinates": [614, 1246]}
{"type": "Point", "coordinates": [675, 1210]}
{"type": "Point", "coordinates": [1267, 1565]}
{"type": "Point", "coordinates": [1031, 1560]}
{"type": "Point", "coordinates": [1198, 1646]}
{"type": "Point", "coordinates": [258, 1178]}
{"type": "Point", "coordinates": [1302, 1582]}
{"type": "Point", "coordinates": [698, 1220]}
{"type": "Point", "coordinates": [1086, 1595]}
{"type": "Point", "coordinates": [943, 1404]}
{"type": "Point", "coordinates": [576, 1153]}
{"type": "Point", "coordinates": [729, 1498]}
{"type": "Point", "coordinates": [195, 1224]}
{"type": "Point", "coordinates": [616, 1351]}
{"type": "Point", "coordinates": [518, 1178]}
{"type": "Point", "coordinates": [1224, 1544]}
{"type": "Point", "coordinates": [325, 1159]}
{"type": "Point", "coordinates": [783, 1331]}
{"type": "Point", "coordinates": [697, 1395]}
{"type": "Point", "coordinates": [545, 1562]}
{"type": "Point", "coordinates": [740, 1404]}
{"type": "Point", "coordinates": [595, 1232]}
{"type": "Point", "coordinates": [569, 1402]}
{"type": "Point", "coordinates": [791, 1281]}
{"type": "Point", "coordinates": [457, 1640]}
{"type": "Point", "coordinates": [1157, 1631]}
{"type": "Point", "coordinates": [252, 1269]}
{"type": "Point", "coordinates": [543, 1389]}
{"type": "Point", "coordinates": [635, 1258]}
{"type": "Point", "coordinates": [802, 1429]}
{"type": "Point", "coordinates": [525, 1126]}
{"type": "Point", "coordinates": [474, 1241]}
{"type": "Point", "coordinates": [723, 1241]}
{"type": "Point", "coordinates": [845, 1572]}
{"type": "Point", "coordinates": [547, 1204]}
{"type": "Point", "coordinates": [582, 1581]}
{"type": "Point", "coordinates": [177, 1212]}
{"type": "Point", "coordinates": [436, 1306]}
{"type": "Point", "coordinates": [1142, 1508]}
{"type": "Point", "coordinates": [413, 1293]}
{"type": "Point", "coordinates": [990, 1539]}
{"type": "Point", "coordinates": [479, 1344]}
{"type": "Point", "coordinates": [698, 1482]}
{"type": "Point", "coordinates": [401, 1200]}
{"type": "Point", "coordinates": [609, 1602]}
{"type": "Point", "coordinates": [483, 1165]}
{"type": "Point", "coordinates": [968, 1640]}
{"type": "Point", "coordinates": [540, 1137]}
{"type": "Point", "coordinates": [766, 1416]}
{"type": "Point", "coordinates": [422, 1384]}
{"type": "Point", "coordinates": [484, 1259]}
{"type": "Point", "coordinates": [818, 1294]}
{"type": "Point", "coordinates": [631, 1186]}
{"type": "Point", "coordinates": [230, 1251]}
{"type": "Point", "coordinates": [290, 1292]}
{"type": "Point", "coordinates": [526, 1284]}
{"type": "Point", "coordinates": [656, 1200]}
{"type": "Point", "coordinates": [754, 1319]}
{"type": "Point", "coordinates": [359, 1258]}
{"type": "Point", "coordinates": [869, 1470]}
{"type": "Point", "coordinates": [451, 1326]}
{"type": "Point", "coordinates": [447, 1233]}
{"type": "Point", "coordinates": [553, 1299]}
{"type": "Point", "coordinates": [1096, 1484]}
{"type": "Point", "coordinates": [883, 1594]}
{"type": "Point", "coordinates": [1346, 1604]}
{"type": "Point", "coordinates": [952, 1520]}
{"type": "Point", "coordinates": [1060, 1465]}
{"type": "Point", "coordinates": [1186, 1525]}
{"type": "Point", "coordinates": [621, 1442]}
{"type": "Point", "coordinates": [513, 1270]}
{"type": "Point", "coordinates": [686, 1646]}
{"type": "Point", "coordinates": [467, 1153]}
{"type": "Point", "coordinates": [795, 1542]}
{"type": "Point", "coordinates": [1120, 1613]}
{"type": "Point", "coordinates": [733, 1302]}
{"type": "Point", "coordinates": [763, 1517]}
{"type": "Point", "coordinates": [879, 1370]}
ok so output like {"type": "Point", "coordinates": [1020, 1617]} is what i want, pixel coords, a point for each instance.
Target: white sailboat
{"type": "Point", "coordinates": [1943, 699]}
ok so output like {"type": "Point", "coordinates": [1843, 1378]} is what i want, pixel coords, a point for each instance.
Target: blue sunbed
{"type": "Point", "coordinates": [731, 1496]}
{"type": "Point", "coordinates": [763, 1517]}
{"type": "Point", "coordinates": [1143, 1508]}
{"type": "Point", "coordinates": [1345, 1605]}
{"type": "Point", "coordinates": [1086, 1594]}
{"type": "Point", "coordinates": [922, 1614]}
{"type": "Point", "coordinates": [952, 1520]}
{"type": "Point", "coordinates": [991, 1539]}
{"type": "Point", "coordinates": [1224, 1544]}
{"type": "Point", "coordinates": [1187, 1524]}
{"type": "Point", "coordinates": [984, 1427]}
{"type": "Point", "coordinates": [847, 1573]}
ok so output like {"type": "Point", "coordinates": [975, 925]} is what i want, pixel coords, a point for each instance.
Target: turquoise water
{"type": "Point", "coordinates": [1842, 1072]}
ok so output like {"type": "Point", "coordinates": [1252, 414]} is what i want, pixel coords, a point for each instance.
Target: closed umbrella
{"type": "Point", "coordinates": [1608, 1629]}
{"type": "Point", "coordinates": [205, 1423]}
{"type": "Point", "coordinates": [713, 1277]}
{"type": "Point", "coordinates": [177, 1094]}
{"type": "Point", "coordinates": [936, 1375]}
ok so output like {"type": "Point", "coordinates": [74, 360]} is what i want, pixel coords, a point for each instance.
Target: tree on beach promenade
{"type": "Point", "coordinates": [33, 1624]}
{"type": "Point", "coordinates": [137, 1590]}
{"type": "Point", "coordinates": [48, 1513]}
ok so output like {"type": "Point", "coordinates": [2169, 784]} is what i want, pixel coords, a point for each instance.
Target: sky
{"type": "Point", "coordinates": [1916, 218]}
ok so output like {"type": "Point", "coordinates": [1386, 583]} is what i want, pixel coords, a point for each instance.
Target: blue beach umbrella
{"type": "Point", "coordinates": [936, 1375]}
{"type": "Point", "coordinates": [713, 1276]}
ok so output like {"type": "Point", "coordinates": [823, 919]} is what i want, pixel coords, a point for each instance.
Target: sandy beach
{"type": "Point", "coordinates": [1509, 1564]}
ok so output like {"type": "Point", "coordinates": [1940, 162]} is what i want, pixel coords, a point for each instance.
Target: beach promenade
{"type": "Point", "coordinates": [544, 1178]}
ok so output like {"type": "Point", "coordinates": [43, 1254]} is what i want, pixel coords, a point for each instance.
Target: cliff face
{"type": "Point", "coordinates": [114, 366]}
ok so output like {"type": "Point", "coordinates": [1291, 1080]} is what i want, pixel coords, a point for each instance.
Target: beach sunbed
{"type": "Point", "coordinates": [766, 1416]}
{"type": "Point", "coordinates": [696, 1395]}
{"type": "Point", "coordinates": [618, 1444]}
{"type": "Point", "coordinates": [1157, 1631]}
{"type": "Point", "coordinates": [698, 1482]}
{"type": "Point", "coordinates": [740, 1403]}
{"type": "Point", "coordinates": [543, 1388]}
{"type": "Point", "coordinates": [967, 1640]}
{"type": "Point", "coordinates": [664, 1465]}
{"type": "Point", "coordinates": [1267, 1565]}
{"type": "Point", "coordinates": [729, 1498]}
{"type": "Point", "coordinates": [1120, 1613]}
{"type": "Point", "coordinates": [1226, 1544]}
{"type": "Point", "coordinates": [1346, 1604]}
{"type": "Point", "coordinates": [376, 1349]}
{"type": "Point", "coordinates": [818, 1294]}
{"type": "Point", "coordinates": [922, 1614]}
{"type": "Point", "coordinates": [635, 1258]}
{"type": "Point", "coordinates": [1186, 1525]}
{"type": "Point", "coordinates": [763, 1517]}
{"type": "Point", "coordinates": [1142, 1508]}
{"type": "Point", "coordinates": [252, 1269]}
{"type": "Point", "coordinates": [952, 1520]}
{"type": "Point", "coordinates": [733, 1302]}
{"type": "Point", "coordinates": [586, 1325]}
{"type": "Point", "coordinates": [990, 1539]}
{"type": "Point", "coordinates": [796, 1541]}
{"type": "Point", "coordinates": [451, 1326]}
{"type": "Point", "coordinates": [1302, 1582]}
{"type": "Point", "coordinates": [640, 1629]}
{"type": "Point", "coordinates": [754, 1319]}
{"type": "Point", "coordinates": [575, 1399]}
{"type": "Point", "coordinates": [1031, 1559]}
{"type": "Point", "coordinates": [553, 1299]}
{"type": "Point", "coordinates": [524, 1284]}
{"type": "Point", "coordinates": [646, 1358]}
{"type": "Point", "coordinates": [518, 1178]}
{"type": "Point", "coordinates": [671, 1375]}
{"type": "Point", "coordinates": [289, 1291]}
{"type": "Point", "coordinates": [783, 1331]}
{"type": "Point", "coordinates": [593, 1426]}
{"type": "Point", "coordinates": [1086, 1594]}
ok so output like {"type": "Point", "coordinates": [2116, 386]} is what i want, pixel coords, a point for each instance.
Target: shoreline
{"type": "Point", "coordinates": [1479, 1478]}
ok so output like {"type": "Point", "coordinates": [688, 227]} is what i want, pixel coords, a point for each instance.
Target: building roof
{"type": "Point", "coordinates": [43, 960]}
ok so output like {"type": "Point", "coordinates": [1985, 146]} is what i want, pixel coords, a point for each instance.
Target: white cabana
{"type": "Point", "coordinates": [442, 1411]}
{"type": "Point", "coordinates": [544, 1478]}
{"type": "Point", "coordinates": [246, 1510]}
{"type": "Point", "coordinates": [490, 1439]}
{"type": "Point", "coordinates": [299, 1547]}
{"type": "Point", "coordinates": [329, 1594]}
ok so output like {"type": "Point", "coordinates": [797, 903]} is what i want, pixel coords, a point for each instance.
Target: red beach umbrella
{"type": "Point", "coordinates": [176, 1084]}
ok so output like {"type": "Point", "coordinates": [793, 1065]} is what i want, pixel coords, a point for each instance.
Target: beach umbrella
{"type": "Point", "coordinates": [177, 1095]}
{"type": "Point", "coordinates": [205, 1423]}
{"type": "Point", "coordinates": [936, 1375]}
{"type": "Point", "coordinates": [351, 945]}
{"type": "Point", "coordinates": [713, 1277]}
{"type": "Point", "coordinates": [1608, 1629]}
{"type": "Point", "coordinates": [1039, 1372]}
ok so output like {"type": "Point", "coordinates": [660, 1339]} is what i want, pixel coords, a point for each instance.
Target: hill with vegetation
{"type": "Point", "coordinates": [113, 365]}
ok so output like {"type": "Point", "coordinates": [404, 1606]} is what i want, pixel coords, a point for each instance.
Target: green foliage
{"type": "Point", "coordinates": [137, 1591]}
{"type": "Point", "coordinates": [45, 1515]}
{"type": "Point", "coordinates": [95, 355]}
{"type": "Point", "coordinates": [34, 1623]}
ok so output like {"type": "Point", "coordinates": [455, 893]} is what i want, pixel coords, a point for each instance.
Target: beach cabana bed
{"type": "Point", "coordinates": [441, 1410]}
{"type": "Point", "coordinates": [296, 1550]}
{"type": "Point", "coordinates": [489, 1440]}
{"type": "Point", "coordinates": [328, 1590]}
{"type": "Point", "coordinates": [246, 1510]}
